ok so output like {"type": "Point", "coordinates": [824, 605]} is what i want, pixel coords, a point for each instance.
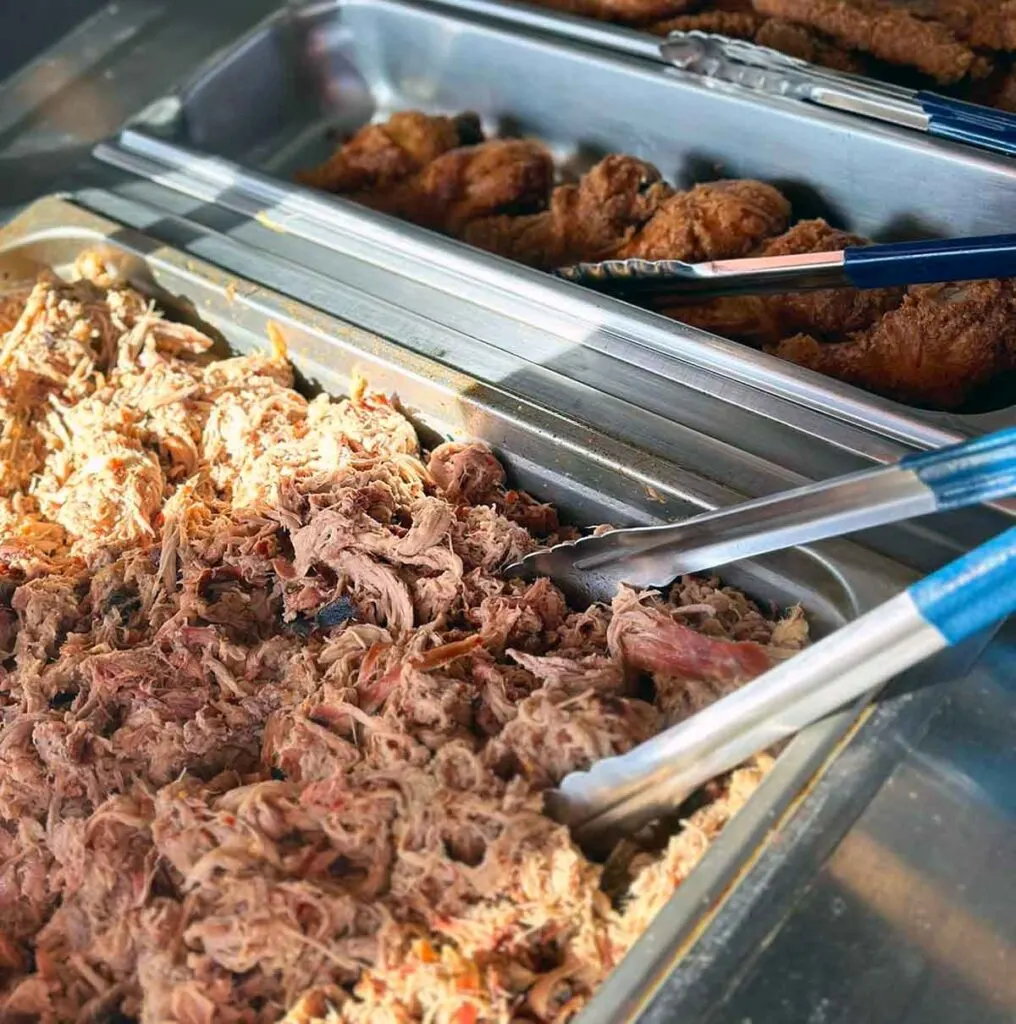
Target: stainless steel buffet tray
{"type": "Point", "coordinates": [591, 476]}
{"type": "Point", "coordinates": [238, 130]}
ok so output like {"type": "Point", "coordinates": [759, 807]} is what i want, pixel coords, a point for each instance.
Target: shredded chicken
{"type": "Point", "coordinates": [273, 729]}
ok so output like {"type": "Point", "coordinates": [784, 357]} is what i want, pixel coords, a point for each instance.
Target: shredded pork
{"type": "Point", "coordinates": [273, 729]}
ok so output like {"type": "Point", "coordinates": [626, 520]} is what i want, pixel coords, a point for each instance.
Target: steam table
{"type": "Point", "coordinates": [905, 912]}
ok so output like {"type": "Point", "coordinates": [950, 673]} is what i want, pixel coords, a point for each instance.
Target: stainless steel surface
{"type": "Point", "coordinates": [706, 979]}
{"type": "Point", "coordinates": [43, 22]}
{"type": "Point", "coordinates": [592, 568]}
{"type": "Point", "coordinates": [621, 794]}
{"type": "Point", "coordinates": [115, 60]}
{"type": "Point", "coordinates": [348, 62]}
{"type": "Point", "coordinates": [590, 475]}
{"type": "Point", "coordinates": [542, 315]}
{"type": "Point", "coordinates": [373, 56]}
{"type": "Point", "coordinates": [755, 68]}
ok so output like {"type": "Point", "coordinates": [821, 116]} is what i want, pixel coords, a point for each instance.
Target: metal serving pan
{"type": "Point", "coordinates": [239, 128]}
{"type": "Point", "coordinates": [592, 477]}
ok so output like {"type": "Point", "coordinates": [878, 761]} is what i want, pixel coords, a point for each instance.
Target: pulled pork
{"type": "Point", "coordinates": [273, 729]}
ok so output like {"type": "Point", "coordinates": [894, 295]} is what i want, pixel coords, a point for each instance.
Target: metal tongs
{"type": "Point", "coordinates": [869, 266]}
{"type": "Point", "coordinates": [620, 794]}
{"type": "Point", "coordinates": [764, 70]}
{"type": "Point", "coordinates": [968, 473]}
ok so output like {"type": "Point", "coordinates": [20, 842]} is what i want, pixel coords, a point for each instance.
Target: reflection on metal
{"type": "Point", "coordinates": [662, 403]}
{"type": "Point", "coordinates": [70, 63]}
{"type": "Point", "coordinates": [918, 909]}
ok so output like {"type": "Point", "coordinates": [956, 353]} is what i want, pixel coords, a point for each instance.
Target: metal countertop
{"type": "Point", "coordinates": [911, 917]}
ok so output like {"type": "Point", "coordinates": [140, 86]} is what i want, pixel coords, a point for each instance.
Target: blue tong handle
{"type": "Point", "coordinates": [968, 473]}
{"type": "Point", "coordinates": [932, 260]}
{"type": "Point", "coordinates": [969, 122]}
{"type": "Point", "coordinates": [979, 588]}
{"type": "Point", "coordinates": [971, 593]}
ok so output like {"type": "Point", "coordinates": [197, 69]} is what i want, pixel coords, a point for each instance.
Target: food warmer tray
{"type": "Point", "coordinates": [233, 136]}
{"type": "Point", "coordinates": [593, 478]}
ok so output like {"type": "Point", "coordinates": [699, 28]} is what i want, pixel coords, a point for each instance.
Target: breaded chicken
{"type": "Point", "coordinates": [500, 176]}
{"type": "Point", "coordinates": [944, 341]}
{"type": "Point", "coordinates": [711, 221]}
{"type": "Point", "coordinates": [733, 24]}
{"type": "Point", "coordinates": [624, 12]}
{"type": "Point", "coordinates": [888, 33]}
{"type": "Point", "coordinates": [585, 221]}
{"type": "Point", "coordinates": [766, 319]}
{"type": "Point", "coordinates": [380, 155]}
{"type": "Point", "coordinates": [986, 24]}
{"type": "Point", "coordinates": [805, 44]}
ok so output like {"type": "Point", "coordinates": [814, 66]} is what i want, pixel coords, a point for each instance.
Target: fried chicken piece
{"type": "Point", "coordinates": [887, 33]}
{"type": "Point", "coordinates": [803, 43]}
{"type": "Point", "coordinates": [944, 341]}
{"type": "Point", "coordinates": [731, 6]}
{"type": "Point", "coordinates": [711, 221]}
{"type": "Point", "coordinates": [985, 24]}
{"type": "Point", "coordinates": [624, 12]}
{"type": "Point", "coordinates": [766, 319]}
{"type": "Point", "coordinates": [500, 176]}
{"type": "Point", "coordinates": [811, 236]}
{"type": "Point", "coordinates": [379, 155]}
{"type": "Point", "coordinates": [735, 19]}
{"type": "Point", "coordinates": [733, 24]}
{"type": "Point", "coordinates": [586, 221]}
